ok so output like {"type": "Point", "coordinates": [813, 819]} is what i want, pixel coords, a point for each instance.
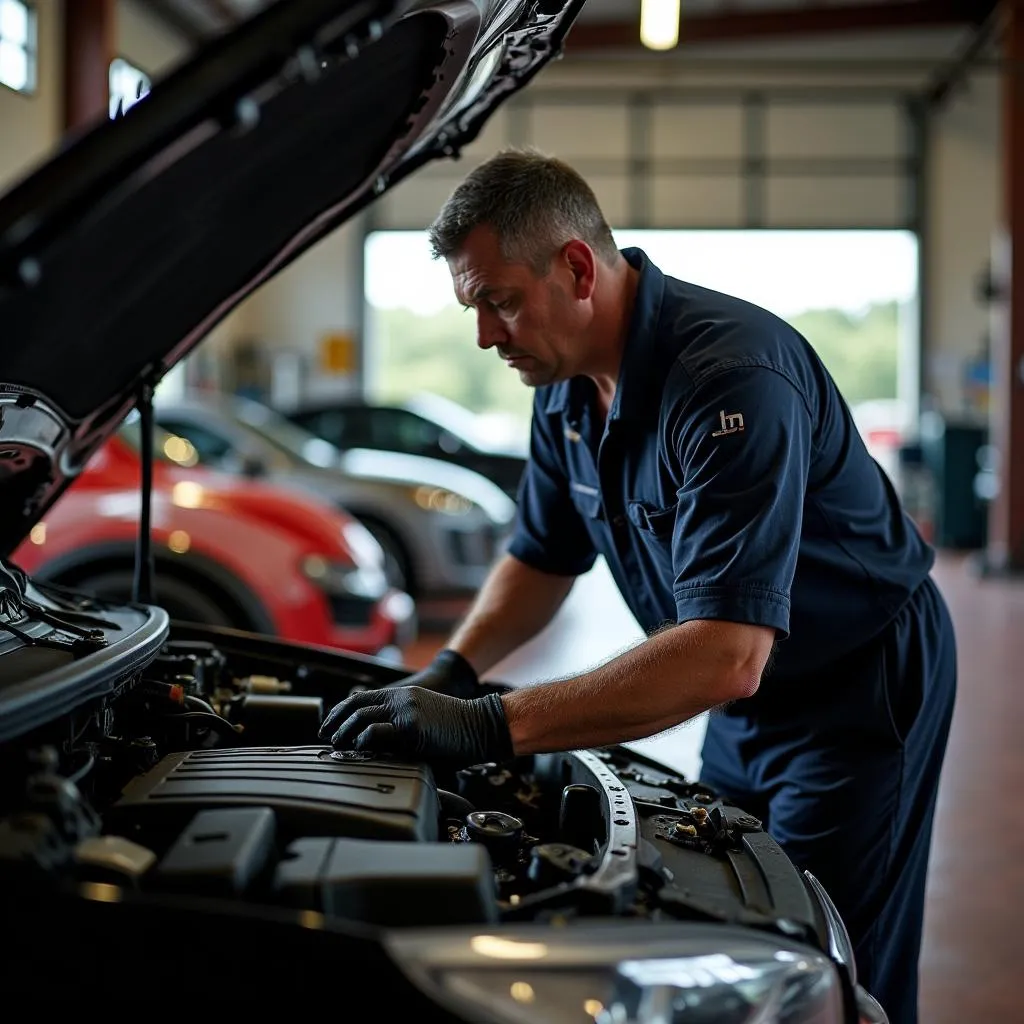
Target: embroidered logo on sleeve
{"type": "Point", "coordinates": [732, 423]}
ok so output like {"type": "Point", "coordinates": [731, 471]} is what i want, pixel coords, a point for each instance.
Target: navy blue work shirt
{"type": "Point", "coordinates": [728, 482]}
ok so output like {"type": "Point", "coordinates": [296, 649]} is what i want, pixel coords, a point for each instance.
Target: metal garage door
{"type": "Point", "coordinates": [698, 157]}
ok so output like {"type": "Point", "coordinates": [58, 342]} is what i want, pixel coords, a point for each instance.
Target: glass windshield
{"type": "Point", "coordinates": [448, 415]}
{"type": "Point", "coordinates": [286, 436]}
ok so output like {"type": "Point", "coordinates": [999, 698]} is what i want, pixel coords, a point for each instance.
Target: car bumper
{"type": "Point", "coordinates": [461, 553]}
{"type": "Point", "coordinates": [381, 628]}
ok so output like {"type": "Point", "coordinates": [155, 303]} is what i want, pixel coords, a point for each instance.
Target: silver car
{"type": "Point", "coordinates": [441, 526]}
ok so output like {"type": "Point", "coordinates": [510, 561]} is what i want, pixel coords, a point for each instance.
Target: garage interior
{"type": "Point", "coordinates": [792, 116]}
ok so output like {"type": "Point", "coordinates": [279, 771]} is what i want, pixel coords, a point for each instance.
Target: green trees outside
{"type": "Point", "coordinates": [860, 351]}
{"type": "Point", "coordinates": [438, 353]}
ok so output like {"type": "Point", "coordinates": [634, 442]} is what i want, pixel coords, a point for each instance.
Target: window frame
{"type": "Point", "coordinates": [31, 50]}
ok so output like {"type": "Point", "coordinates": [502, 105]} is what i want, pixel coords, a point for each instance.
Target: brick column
{"type": "Point", "coordinates": [89, 47]}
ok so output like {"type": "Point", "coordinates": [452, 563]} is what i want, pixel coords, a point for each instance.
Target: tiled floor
{"type": "Point", "coordinates": [974, 928]}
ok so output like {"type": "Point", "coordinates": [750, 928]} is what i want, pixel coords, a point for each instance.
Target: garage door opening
{"type": "Point", "coordinates": [853, 294]}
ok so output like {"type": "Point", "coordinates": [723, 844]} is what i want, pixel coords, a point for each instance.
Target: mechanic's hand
{"type": "Point", "coordinates": [419, 722]}
{"type": "Point", "coordinates": [448, 673]}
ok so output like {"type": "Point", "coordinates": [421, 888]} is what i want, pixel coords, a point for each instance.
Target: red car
{"type": "Point", "coordinates": [227, 551]}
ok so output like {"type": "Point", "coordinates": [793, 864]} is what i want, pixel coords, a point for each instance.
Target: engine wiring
{"type": "Point", "coordinates": [83, 769]}
{"type": "Point", "coordinates": [212, 720]}
{"type": "Point", "coordinates": [202, 712]}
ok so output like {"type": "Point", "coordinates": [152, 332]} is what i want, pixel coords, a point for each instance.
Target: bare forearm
{"type": "Point", "coordinates": [660, 683]}
{"type": "Point", "coordinates": [514, 604]}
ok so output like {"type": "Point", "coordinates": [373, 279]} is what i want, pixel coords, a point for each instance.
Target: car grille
{"type": "Point", "coordinates": [475, 548]}
{"type": "Point", "coordinates": [351, 611]}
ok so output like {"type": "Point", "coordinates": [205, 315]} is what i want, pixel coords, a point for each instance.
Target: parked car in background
{"type": "Point", "coordinates": [228, 551]}
{"type": "Point", "coordinates": [440, 525]}
{"type": "Point", "coordinates": [424, 424]}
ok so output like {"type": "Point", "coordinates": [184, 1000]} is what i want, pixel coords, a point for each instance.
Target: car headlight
{"type": "Point", "coordinates": [623, 974]}
{"type": "Point", "coordinates": [368, 582]}
{"type": "Point", "coordinates": [440, 499]}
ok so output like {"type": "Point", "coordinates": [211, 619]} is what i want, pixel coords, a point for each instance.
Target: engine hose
{"type": "Point", "coordinates": [198, 704]}
{"type": "Point", "coordinates": [453, 805]}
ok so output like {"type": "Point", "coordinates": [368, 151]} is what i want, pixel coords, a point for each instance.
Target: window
{"type": "Point", "coordinates": [851, 293]}
{"type": "Point", "coordinates": [127, 85]}
{"type": "Point", "coordinates": [17, 45]}
{"type": "Point", "coordinates": [334, 425]}
{"type": "Point", "coordinates": [400, 431]}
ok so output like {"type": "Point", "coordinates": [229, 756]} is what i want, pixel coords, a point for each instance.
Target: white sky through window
{"type": "Point", "coordinates": [787, 272]}
{"type": "Point", "coordinates": [16, 45]}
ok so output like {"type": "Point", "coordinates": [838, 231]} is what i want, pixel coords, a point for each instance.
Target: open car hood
{"type": "Point", "coordinates": [122, 252]}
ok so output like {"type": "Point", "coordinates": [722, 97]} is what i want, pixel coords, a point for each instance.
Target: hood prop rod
{"type": "Point", "coordinates": [142, 584]}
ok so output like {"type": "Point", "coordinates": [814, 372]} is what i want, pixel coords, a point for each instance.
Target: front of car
{"type": "Point", "coordinates": [228, 552]}
{"type": "Point", "coordinates": [441, 525]}
{"type": "Point", "coordinates": [170, 832]}
{"type": "Point", "coordinates": [318, 570]}
{"type": "Point", "coordinates": [593, 886]}
{"type": "Point", "coordinates": [458, 522]}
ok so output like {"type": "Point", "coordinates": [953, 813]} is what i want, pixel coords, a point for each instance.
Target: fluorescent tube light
{"type": "Point", "coordinates": [659, 24]}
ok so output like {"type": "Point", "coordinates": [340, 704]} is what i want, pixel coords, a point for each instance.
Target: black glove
{"type": "Point", "coordinates": [421, 723]}
{"type": "Point", "coordinates": [448, 673]}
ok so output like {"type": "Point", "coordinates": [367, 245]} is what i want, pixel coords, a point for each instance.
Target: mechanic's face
{"type": "Point", "coordinates": [537, 323]}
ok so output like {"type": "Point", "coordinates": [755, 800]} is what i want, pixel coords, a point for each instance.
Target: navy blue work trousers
{"type": "Point", "coordinates": [843, 770]}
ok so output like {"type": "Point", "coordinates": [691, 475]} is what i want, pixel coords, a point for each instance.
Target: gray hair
{"type": "Point", "coordinates": [534, 203]}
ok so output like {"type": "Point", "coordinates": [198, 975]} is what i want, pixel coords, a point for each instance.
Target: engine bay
{"type": "Point", "coordinates": [198, 776]}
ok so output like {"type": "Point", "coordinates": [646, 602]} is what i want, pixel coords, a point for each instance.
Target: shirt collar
{"type": "Point", "coordinates": [632, 393]}
{"type": "Point", "coordinates": [632, 397]}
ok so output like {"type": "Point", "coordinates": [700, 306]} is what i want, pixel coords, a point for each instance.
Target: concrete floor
{"type": "Point", "coordinates": [974, 936]}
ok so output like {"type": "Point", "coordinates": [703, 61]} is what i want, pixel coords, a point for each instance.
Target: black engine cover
{"type": "Point", "coordinates": [312, 790]}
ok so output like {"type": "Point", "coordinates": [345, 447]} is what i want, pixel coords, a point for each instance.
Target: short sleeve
{"type": "Point", "coordinates": [743, 440]}
{"type": "Point", "coordinates": [550, 534]}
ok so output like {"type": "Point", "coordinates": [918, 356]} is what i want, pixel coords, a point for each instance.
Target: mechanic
{"type": "Point", "coordinates": [697, 443]}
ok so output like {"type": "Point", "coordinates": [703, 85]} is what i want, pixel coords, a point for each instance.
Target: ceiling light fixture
{"type": "Point", "coordinates": [659, 24]}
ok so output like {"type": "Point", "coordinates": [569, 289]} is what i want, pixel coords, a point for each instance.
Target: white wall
{"type": "Point", "coordinates": [321, 293]}
{"type": "Point", "coordinates": [145, 41]}
{"type": "Point", "coordinates": [31, 124]}
{"type": "Point", "coordinates": [964, 208]}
